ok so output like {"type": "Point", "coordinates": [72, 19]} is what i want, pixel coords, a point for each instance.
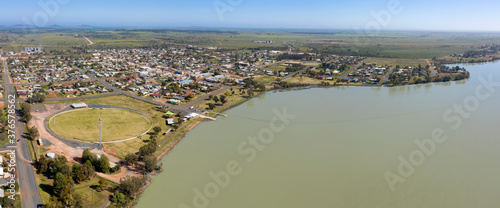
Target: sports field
{"type": "Point", "coordinates": [117, 124]}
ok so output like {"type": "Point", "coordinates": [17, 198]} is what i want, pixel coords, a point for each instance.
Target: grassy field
{"type": "Point", "coordinates": [398, 61]}
{"type": "Point", "coordinates": [276, 67]}
{"type": "Point", "coordinates": [116, 124]}
{"type": "Point", "coordinates": [307, 80]}
{"type": "Point", "coordinates": [265, 79]}
{"type": "Point", "coordinates": [131, 146]}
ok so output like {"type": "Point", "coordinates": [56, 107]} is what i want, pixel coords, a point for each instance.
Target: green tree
{"type": "Point", "coordinates": [149, 163]}
{"type": "Point", "coordinates": [216, 99]}
{"type": "Point", "coordinates": [211, 105]}
{"type": "Point", "coordinates": [89, 156]}
{"type": "Point", "coordinates": [261, 87]}
{"type": "Point", "coordinates": [102, 184]}
{"type": "Point", "coordinates": [77, 173]}
{"type": "Point", "coordinates": [223, 99]}
{"type": "Point", "coordinates": [62, 189]}
{"type": "Point", "coordinates": [131, 185]}
{"type": "Point", "coordinates": [88, 170]}
{"type": "Point", "coordinates": [25, 110]}
{"type": "Point", "coordinates": [118, 199]}
{"type": "Point", "coordinates": [147, 149]}
{"type": "Point", "coordinates": [250, 93]}
{"type": "Point", "coordinates": [157, 129]}
{"type": "Point", "coordinates": [103, 164]}
{"type": "Point", "coordinates": [32, 133]}
{"type": "Point", "coordinates": [78, 201]}
{"type": "Point", "coordinates": [131, 158]}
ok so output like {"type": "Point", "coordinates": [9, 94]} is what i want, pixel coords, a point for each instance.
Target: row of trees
{"type": "Point", "coordinates": [130, 186]}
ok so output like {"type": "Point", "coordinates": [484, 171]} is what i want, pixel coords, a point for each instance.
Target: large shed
{"type": "Point", "coordinates": [79, 105]}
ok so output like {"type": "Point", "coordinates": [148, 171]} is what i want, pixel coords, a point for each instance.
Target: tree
{"type": "Point", "coordinates": [43, 164]}
{"type": "Point", "coordinates": [157, 129]}
{"type": "Point", "coordinates": [89, 156]}
{"type": "Point", "coordinates": [102, 184]}
{"type": "Point", "coordinates": [88, 170]}
{"type": "Point", "coordinates": [210, 97]}
{"type": "Point", "coordinates": [78, 201]}
{"type": "Point", "coordinates": [211, 105]}
{"type": "Point", "coordinates": [103, 164]}
{"type": "Point", "coordinates": [118, 199]}
{"type": "Point", "coordinates": [250, 93]}
{"type": "Point", "coordinates": [149, 163]}
{"type": "Point", "coordinates": [25, 109]}
{"type": "Point", "coordinates": [216, 99]}
{"type": "Point", "coordinates": [147, 149]}
{"type": "Point", "coordinates": [131, 185]}
{"type": "Point", "coordinates": [27, 117]}
{"type": "Point", "coordinates": [77, 173]}
{"type": "Point", "coordinates": [62, 189]}
{"type": "Point", "coordinates": [131, 158]}
{"type": "Point", "coordinates": [58, 167]}
{"type": "Point", "coordinates": [32, 133]}
{"type": "Point", "coordinates": [261, 87]}
{"type": "Point", "coordinates": [223, 99]}
{"type": "Point", "coordinates": [6, 202]}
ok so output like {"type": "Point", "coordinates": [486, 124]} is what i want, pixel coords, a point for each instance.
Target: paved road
{"type": "Point", "coordinates": [432, 68]}
{"type": "Point", "coordinates": [30, 197]}
{"type": "Point", "coordinates": [354, 68]}
{"type": "Point", "coordinates": [386, 78]}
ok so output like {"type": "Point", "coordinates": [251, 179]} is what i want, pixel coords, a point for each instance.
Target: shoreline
{"type": "Point", "coordinates": [164, 153]}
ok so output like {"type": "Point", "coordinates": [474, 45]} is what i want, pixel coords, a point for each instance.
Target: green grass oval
{"type": "Point", "coordinates": [117, 124]}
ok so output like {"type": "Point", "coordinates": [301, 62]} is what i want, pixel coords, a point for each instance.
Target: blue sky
{"type": "Point", "coordinates": [458, 15]}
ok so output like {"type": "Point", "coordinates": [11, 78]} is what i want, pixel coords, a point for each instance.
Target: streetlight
{"type": "Point", "coordinates": [100, 133]}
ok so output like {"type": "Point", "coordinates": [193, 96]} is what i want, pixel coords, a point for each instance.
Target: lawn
{"type": "Point", "coordinates": [275, 68]}
{"type": "Point", "coordinates": [307, 80]}
{"type": "Point", "coordinates": [398, 61]}
{"type": "Point", "coordinates": [116, 124]}
{"type": "Point", "coordinates": [265, 79]}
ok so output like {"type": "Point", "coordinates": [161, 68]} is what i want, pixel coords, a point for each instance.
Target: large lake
{"type": "Point", "coordinates": [432, 145]}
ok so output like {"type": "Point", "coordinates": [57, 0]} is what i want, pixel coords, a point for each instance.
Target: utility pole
{"type": "Point", "coordinates": [100, 133]}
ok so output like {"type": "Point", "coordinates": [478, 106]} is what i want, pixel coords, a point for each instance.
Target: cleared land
{"type": "Point", "coordinates": [83, 124]}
